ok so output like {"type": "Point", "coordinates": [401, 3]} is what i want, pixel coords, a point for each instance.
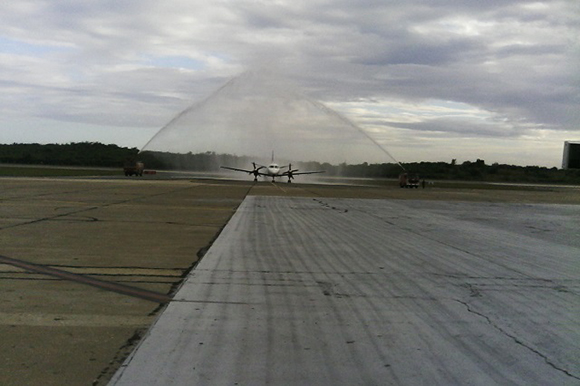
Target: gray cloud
{"type": "Point", "coordinates": [139, 63]}
{"type": "Point", "coordinates": [464, 128]}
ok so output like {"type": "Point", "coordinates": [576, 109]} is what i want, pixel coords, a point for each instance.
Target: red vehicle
{"type": "Point", "coordinates": [408, 180]}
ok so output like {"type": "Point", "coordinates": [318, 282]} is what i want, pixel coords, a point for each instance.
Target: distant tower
{"type": "Point", "coordinates": [571, 158]}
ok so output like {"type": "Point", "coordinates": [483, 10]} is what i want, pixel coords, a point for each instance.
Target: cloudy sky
{"type": "Point", "coordinates": [429, 80]}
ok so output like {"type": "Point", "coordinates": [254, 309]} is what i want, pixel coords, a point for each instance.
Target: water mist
{"type": "Point", "coordinates": [256, 113]}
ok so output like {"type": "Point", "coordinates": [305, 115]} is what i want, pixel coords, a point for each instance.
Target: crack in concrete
{"type": "Point", "coordinates": [90, 208]}
{"type": "Point", "coordinates": [517, 340]}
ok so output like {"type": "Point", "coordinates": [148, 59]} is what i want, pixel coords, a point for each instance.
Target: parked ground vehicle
{"type": "Point", "coordinates": [132, 167]}
{"type": "Point", "coordinates": [408, 180]}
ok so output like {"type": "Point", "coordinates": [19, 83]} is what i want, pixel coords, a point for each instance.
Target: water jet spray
{"type": "Point", "coordinates": [347, 121]}
{"type": "Point", "coordinates": [255, 113]}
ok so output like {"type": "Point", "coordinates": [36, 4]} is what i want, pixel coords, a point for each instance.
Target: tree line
{"type": "Point", "coordinates": [72, 154]}
{"type": "Point", "coordinates": [100, 155]}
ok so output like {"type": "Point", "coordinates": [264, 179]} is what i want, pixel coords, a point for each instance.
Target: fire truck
{"type": "Point", "coordinates": [409, 180]}
{"type": "Point", "coordinates": [132, 167]}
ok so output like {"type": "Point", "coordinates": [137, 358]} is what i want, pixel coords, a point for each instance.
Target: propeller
{"type": "Point", "coordinates": [256, 171]}
{"type": "Point", "coordinates": [291, 173]}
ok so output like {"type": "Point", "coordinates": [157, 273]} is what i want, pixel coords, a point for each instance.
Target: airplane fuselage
{"type": "Point", "coordinates": [274, 170]}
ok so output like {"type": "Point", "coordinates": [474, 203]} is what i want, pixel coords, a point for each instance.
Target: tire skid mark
{"type": "Point", "coordinates": [328, 285]}
{"type": "Point", "coordinates": [328, 290]}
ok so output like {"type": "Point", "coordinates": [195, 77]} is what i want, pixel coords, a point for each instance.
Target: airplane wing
{"type": "Point", "coordinates": [255, 171]}
{"type": "Point", "coordinates": [237, 170]}
{"type": "Point", "coordinates": [298, 173]}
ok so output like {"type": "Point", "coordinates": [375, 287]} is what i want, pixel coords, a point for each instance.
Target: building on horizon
{"type": "Point", "coordinates": [571, 159]}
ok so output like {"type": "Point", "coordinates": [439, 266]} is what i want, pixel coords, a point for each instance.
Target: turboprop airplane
{"type": "Point", "coordinates": [273, 170]}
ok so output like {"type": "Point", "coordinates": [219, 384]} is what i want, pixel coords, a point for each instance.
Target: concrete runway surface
{"type": "Point", "coordinates": [348, 291]}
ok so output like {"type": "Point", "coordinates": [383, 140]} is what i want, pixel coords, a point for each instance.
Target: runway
{"type": "Point", "coordinates": [349, 291]}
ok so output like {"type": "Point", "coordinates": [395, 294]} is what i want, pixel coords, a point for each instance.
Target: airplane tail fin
{"type": "Point", "coordinates": [272, 156]}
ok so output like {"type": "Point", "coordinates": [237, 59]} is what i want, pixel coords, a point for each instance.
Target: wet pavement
{"type": "Point", "coordinates": [377, 291]}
